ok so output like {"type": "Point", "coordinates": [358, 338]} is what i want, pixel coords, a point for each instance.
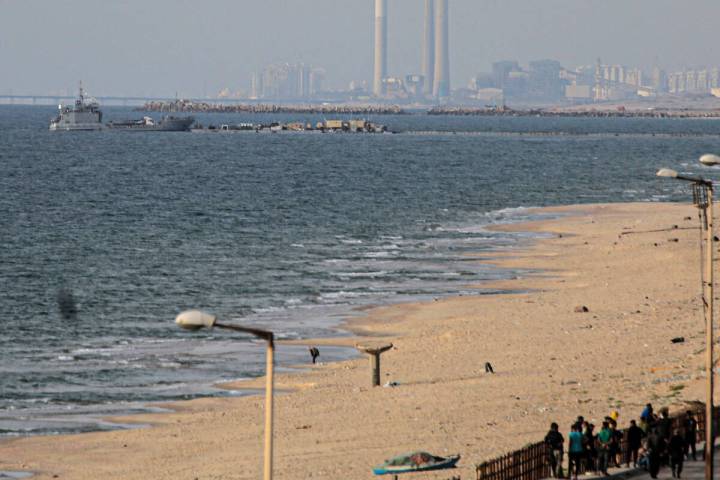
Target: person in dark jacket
{"type": "Point", "coordinates": [664, 424]}
{"type": "Point", "coordinates": [676, 450]}
{"type": "Point", "coordinates": [664, 428]}
{"type": "Point", "coordinates": [314, 353]}
{"type": "Point", "coordinates": [555, 442]}
{"type": "Point", "coordinates": [635, 435]}
{"type": "Point", "coordinates": [690, 435]}
{"type": "Point", "coordinates": [615, 445]}
{"type": "Point", "coordinates": [656, 448]}
{"type": "Point", "coordinates": [590, 450]}
{"type": "Point", "coordinates": [580, 423]}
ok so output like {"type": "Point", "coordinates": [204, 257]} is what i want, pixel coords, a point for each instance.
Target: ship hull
{"type": "Point", "coordinates": [165, 125]}
{"type": "Point", "coordinates": [78, 127]}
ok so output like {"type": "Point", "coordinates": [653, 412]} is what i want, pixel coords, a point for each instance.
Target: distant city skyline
{"type": "Point", "coordinates": [167, 46]}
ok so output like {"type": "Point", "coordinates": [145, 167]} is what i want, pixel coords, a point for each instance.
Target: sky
{"type": "Point", "coordinates": [193, 48]}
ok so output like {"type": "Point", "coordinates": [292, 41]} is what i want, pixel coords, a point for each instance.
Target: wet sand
{"type": "Point", "coordinates": [641, 288]}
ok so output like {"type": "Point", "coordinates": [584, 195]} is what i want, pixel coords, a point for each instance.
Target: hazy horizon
{"type": "Point", "coordinates": [162, 47]}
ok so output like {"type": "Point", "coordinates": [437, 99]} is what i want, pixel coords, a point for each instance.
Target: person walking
{"type": "Point", "coordinates": [555, 442]}
{"type": "Point", "coordinates": [647, 418]}
{"type": "Point", "coordinates": [690, 426]}
{"type": "Point", "coordinates": [665, 430]}
{"type": "Point", "coordinates": [590, 450]}
{"type": "Point", "coordinates": [676, 450]}
{"type": "Point", "coordinates": [575, 451]}
{"type": "Point", "coordinates": [314, 353]}
{"type": "Point", "coordinates": [605, 439]}
{"type": "Point", "coordinates": [647, 413]}
{"type": "Point", "coordinates": [664, 424]}
{"type": "Point", "coordinates": [615, 444]}
{"type": "Point", "coordinates": [635, 435]}
{"type": "Point", "coordinates": [580, 423]}
{"type": "Point", "coordinates": [656, 447]}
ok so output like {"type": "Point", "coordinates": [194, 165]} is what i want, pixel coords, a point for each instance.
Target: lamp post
{"type": "Point", "coordinates": [703, 199]}
{"type": "Point", "coordinates": [195, 320]}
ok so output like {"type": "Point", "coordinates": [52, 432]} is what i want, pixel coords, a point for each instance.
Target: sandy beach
{"type": "Point", "coordinates": [636, 267]}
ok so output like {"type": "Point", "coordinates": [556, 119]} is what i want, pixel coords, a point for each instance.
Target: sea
{"type": "Point", "coordinates": [106, 236]}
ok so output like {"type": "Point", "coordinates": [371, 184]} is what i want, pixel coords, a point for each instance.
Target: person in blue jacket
{"type": "Point", "coordinates": [575, 452]}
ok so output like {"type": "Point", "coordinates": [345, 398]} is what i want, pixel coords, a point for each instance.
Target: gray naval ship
{"type": "Point", "coordinates": [167, 123]}
{"type": "Point", "coordinates": [84, 115]}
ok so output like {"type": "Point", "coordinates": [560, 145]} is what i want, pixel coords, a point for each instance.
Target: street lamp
{"type": "Point", "coordinates": [195, 320]}
{"type": "Point", "coordinates": [703, 199]}
{"type": "Point", "coordinates": [710, 160]}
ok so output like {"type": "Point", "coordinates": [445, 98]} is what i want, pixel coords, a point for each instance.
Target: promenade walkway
{"type": "Point", "coordinates": [692, 470]}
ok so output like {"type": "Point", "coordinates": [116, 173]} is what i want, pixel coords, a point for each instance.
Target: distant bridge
{"type": "Point", "coordinates": [115, 100]}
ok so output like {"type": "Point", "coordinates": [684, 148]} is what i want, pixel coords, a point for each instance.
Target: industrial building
{"type": "Point", "coordinates": [435, 77]}
{"type": "Point", "coordinates": [441, 80]}
{"type": "Point", "coordinates": [380, 47]}
{"type": "Point", "coordinates": [693, 81]}
{"type": "Point", "coordinates": [287, 82]}
{"type": "Point", "coordinates": [428, 65]}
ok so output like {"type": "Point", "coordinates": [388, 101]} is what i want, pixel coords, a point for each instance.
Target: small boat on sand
{"type": "Point", "coordinates": [415, 462]}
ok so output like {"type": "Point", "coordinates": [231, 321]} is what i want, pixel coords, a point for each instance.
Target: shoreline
{"type": "Point", "coordinates": [341, 334]}
{"type": "Point", "coordinates": [431, 406]}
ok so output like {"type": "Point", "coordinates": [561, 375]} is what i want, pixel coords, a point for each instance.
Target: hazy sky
{"type": "Point", "coordinates": [159, 47]}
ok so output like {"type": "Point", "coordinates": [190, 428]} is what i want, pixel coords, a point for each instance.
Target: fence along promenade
{"type": "Point", "coordinates": [531, 461]}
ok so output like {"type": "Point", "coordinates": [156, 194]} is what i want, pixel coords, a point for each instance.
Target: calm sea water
{"type": "Point", "coordinates": [288, 232]}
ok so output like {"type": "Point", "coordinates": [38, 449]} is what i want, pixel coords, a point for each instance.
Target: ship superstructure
{"type": "Point", "coordinates": [85, 114]}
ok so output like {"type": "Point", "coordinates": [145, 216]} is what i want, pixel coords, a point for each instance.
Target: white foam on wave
{"type": "Point", "coordinates": [466, 229]}
{"type": "Point", "coordinates": [170, 364]}
{"type": "Point", "coordinates": [380, 254]}
{"type": "Point", "coordinates": [509, 212]}
{"type": "Point", "coordinates": [379, 273]}
{"type": "Point", "coordinates": [343, 294]}
{"type": "Point", "coordinates": [85, 351]}
{"type": "Point", "coordinates": [288, 335]}
{"type": "Point", "coordinates": [495, 217]}
{"type": "Point", "coordinates": [268, 309]}
{"type": "Point", "coordinates": [336, 260]}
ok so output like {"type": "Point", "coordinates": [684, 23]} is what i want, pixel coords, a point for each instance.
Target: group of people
{"type": "Point", "coordinates": [650, 443]}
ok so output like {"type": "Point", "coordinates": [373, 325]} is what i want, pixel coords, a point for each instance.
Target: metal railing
{"type": "Point", "coordinates": [528, 463]}
{"type": "Point", "coordinates": [532, 461]}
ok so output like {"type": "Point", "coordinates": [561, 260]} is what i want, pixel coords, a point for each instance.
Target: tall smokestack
{"type": "Point", "coordinates": [380, 47]}
{"type": "Point", "coordinates": [441, 82]}
{"type": "Point", "coordinates": [428, 65]}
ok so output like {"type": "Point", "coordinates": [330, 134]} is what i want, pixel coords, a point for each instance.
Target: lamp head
{"type": "Point", "coordinates": [195, 320]}
{"type": "Point", "coordinates": [667, 172]}
{"type": "Point", "coordinates": [710, 160]}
